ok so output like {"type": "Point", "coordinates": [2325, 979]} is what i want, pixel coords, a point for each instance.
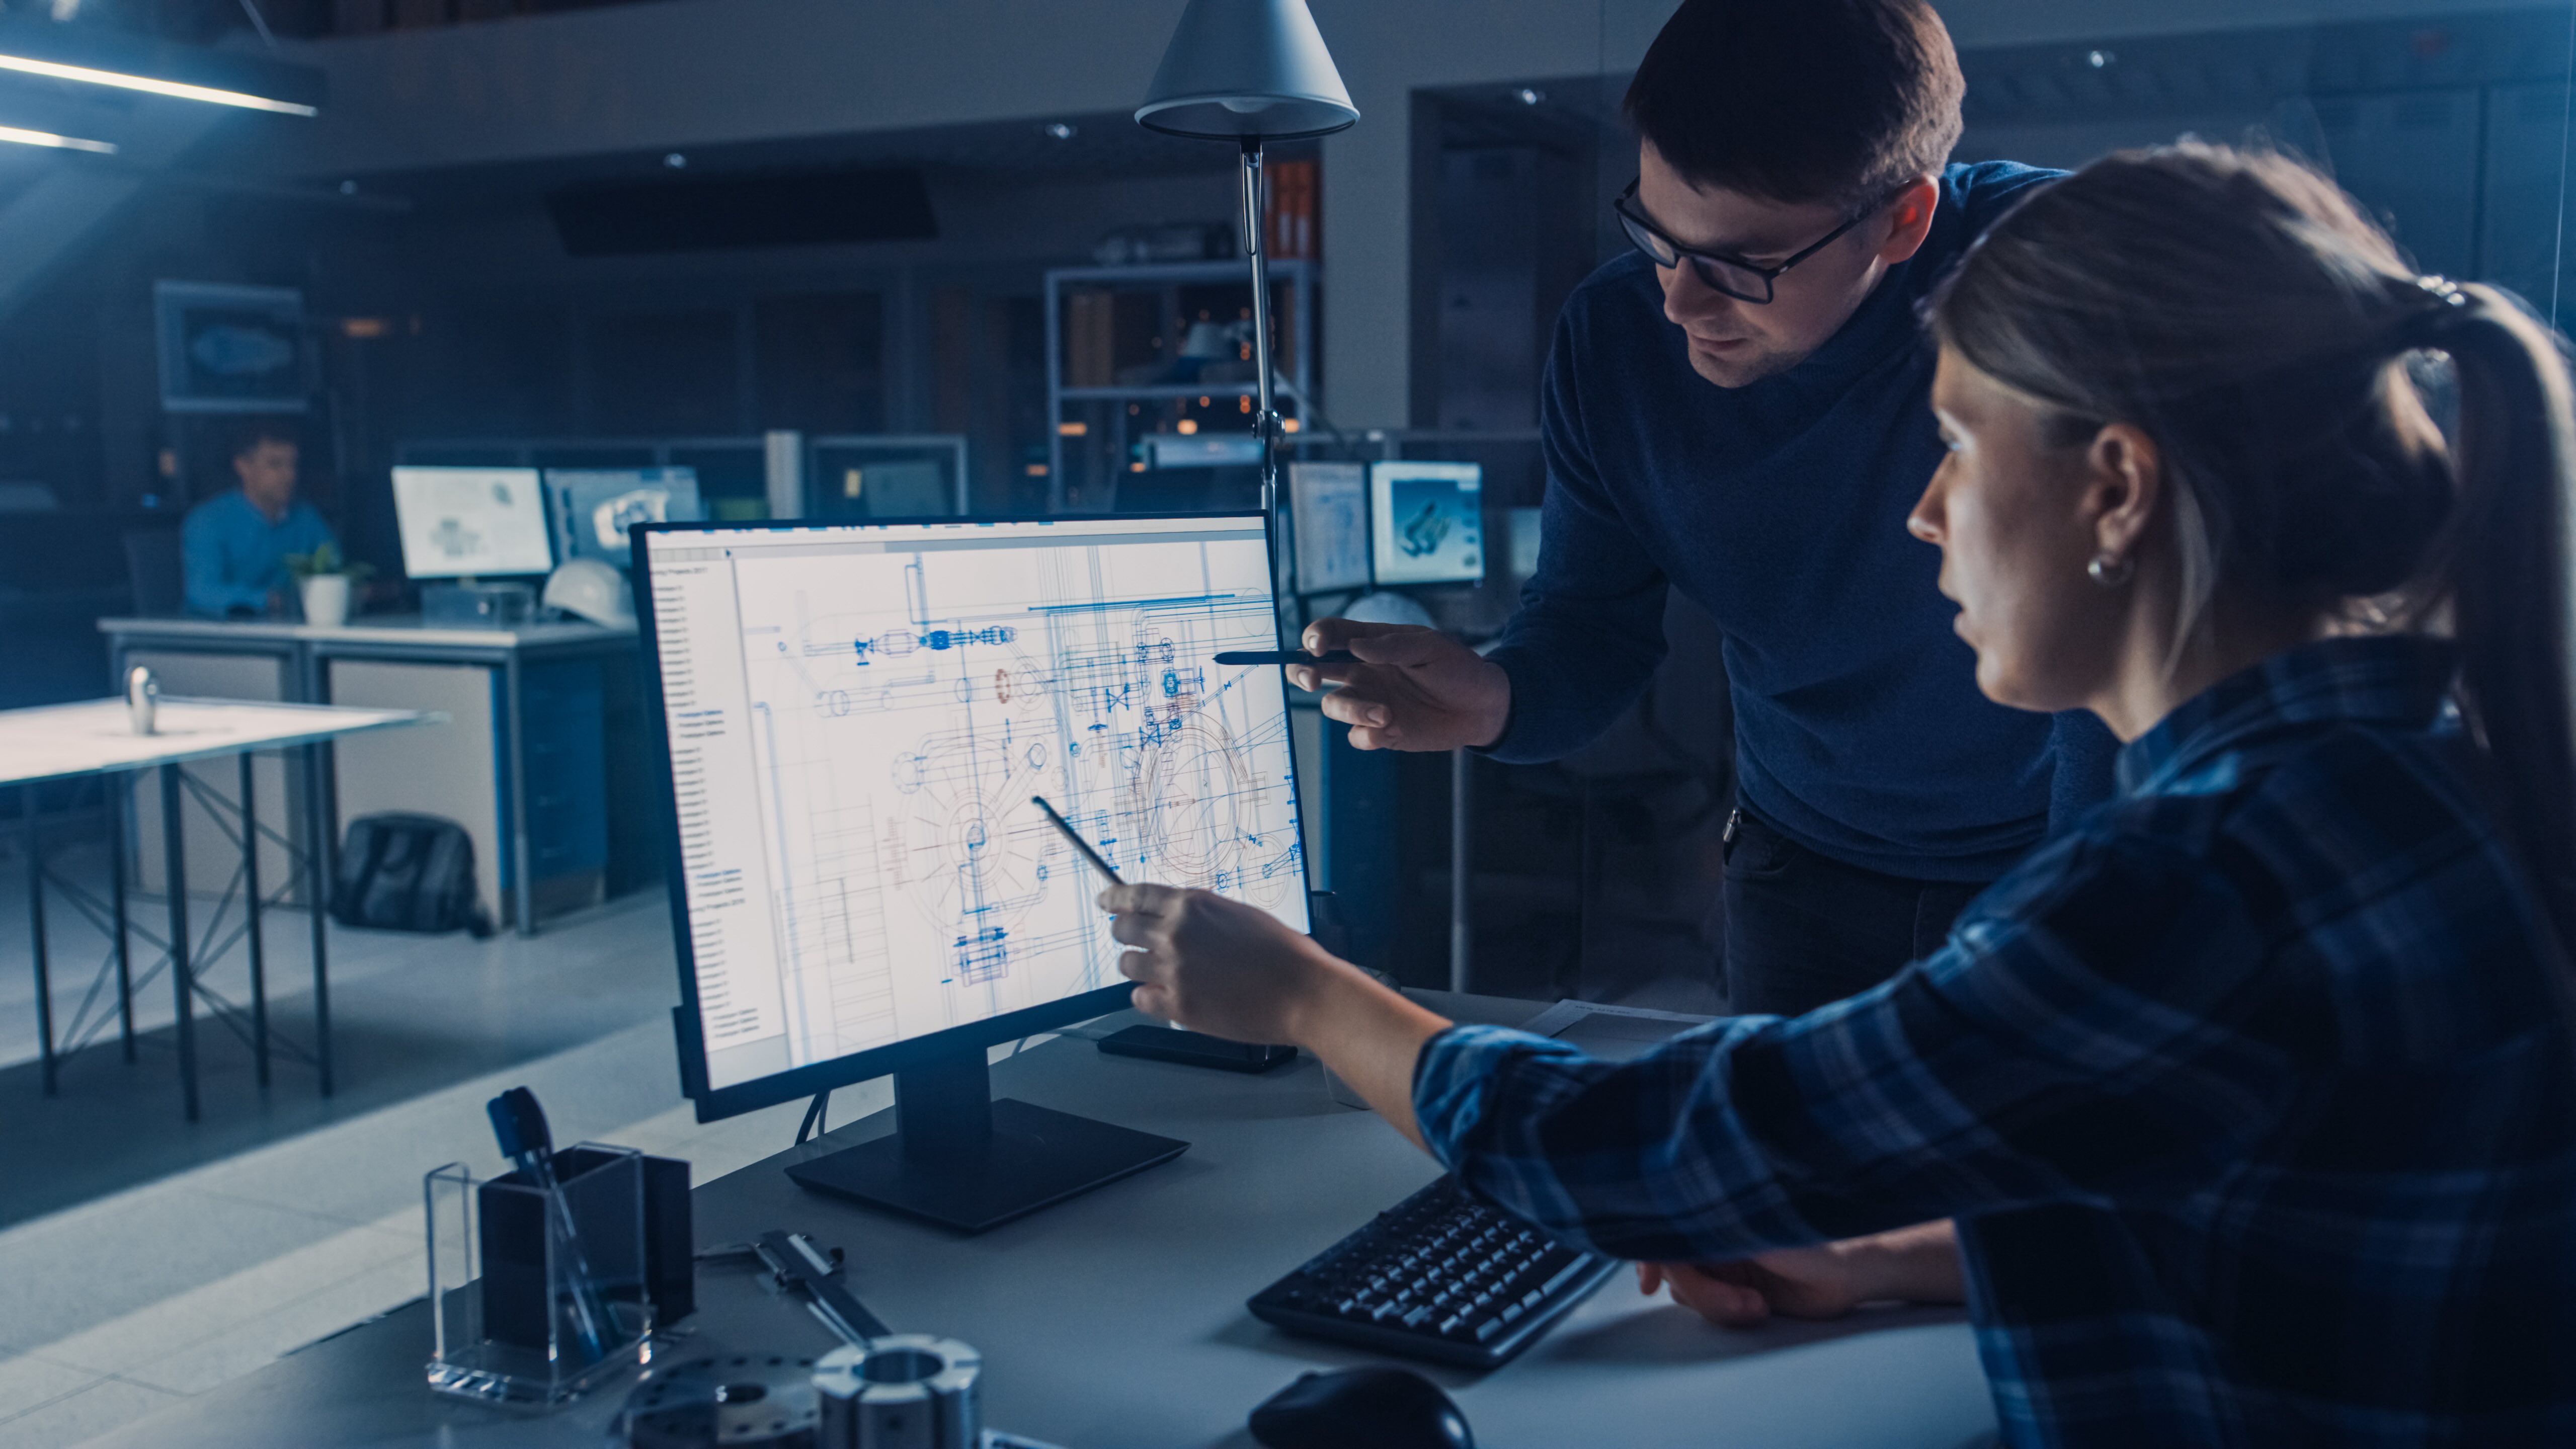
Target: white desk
{"type": "Point", "coordinates": [1115, 1320]}
{"type": "Point", "coordinates": [96, 737]}
{"type": "Point", "coordinates": [304, 656]}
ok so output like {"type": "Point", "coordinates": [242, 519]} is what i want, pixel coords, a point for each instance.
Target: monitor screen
{"type": "Point", "coordinates": [593, 507]}
{"type": "Point", "coordinates": [463, 522]}
{"type": "Point", "coordinates": [1330, 503]}
{"type": "Point", "coordinates": [886, 475]}
{"type": "Point", "coordinates": [900, 488]}
{"type": "Point", "coordinates": [1429, 522]}
{"type": "Point", "coordinates": [857, 717]}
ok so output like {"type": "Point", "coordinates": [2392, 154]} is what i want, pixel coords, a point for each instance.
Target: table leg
{"type": "Point", "coordinates": [250, 919]}
{"type": "Point", "coordinates": [523, 875]}
{"type": "Point", "coordinates": [36, 930]}
{"type": "Point", "coordinates": [317, 858]}
{"type": "Point", "coordinates": [119, 790]}
{"type": "Point", "coordinates": [182, 985]}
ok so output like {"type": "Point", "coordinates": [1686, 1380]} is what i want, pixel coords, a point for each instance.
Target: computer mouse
{"type": "Point", "coordinates": [1361, 1408]}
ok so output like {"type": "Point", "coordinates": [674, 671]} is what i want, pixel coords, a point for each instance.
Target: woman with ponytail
{"type": "Point", "coordinates": [2253, 1097]}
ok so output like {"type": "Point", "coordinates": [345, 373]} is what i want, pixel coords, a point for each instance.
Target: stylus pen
{"type": "Point", "coordinates": [1079, 843]}
{"type": "Point", "coordinates": [1286, 656]}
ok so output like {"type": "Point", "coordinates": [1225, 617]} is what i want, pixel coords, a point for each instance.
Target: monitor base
{"type": "Point", "coordinates": [1035, 1157]}
{"type": "Point", "coordinates": [1190, 1049]}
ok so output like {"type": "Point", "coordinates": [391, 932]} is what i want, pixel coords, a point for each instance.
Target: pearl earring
{"type": "Point", "coordinates": [2109, 572]}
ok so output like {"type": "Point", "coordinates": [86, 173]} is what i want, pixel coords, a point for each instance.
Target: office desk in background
{"type": "Point", "coordinates": [1116, 1320]}
{"type": "Point", "coordinates": [541, 719]}
{"type": "Point", "coordinates": [96, 738]}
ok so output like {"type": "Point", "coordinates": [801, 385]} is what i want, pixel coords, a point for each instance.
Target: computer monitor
{"type": "Point", "coordinates": [1428, 522]}
{"type": "Point", "coordinates": [1330, 504]}
{"type": "Point", "coordinates": [856, 716]}
{"type": "Point", "coordinates": [467, 522]}
{"type": "Point", "coordinates": [593, 507]}
{"type": "Point", "coordinates": [900, 488]}
{"type": "Point", "coordinates": [886, 475]}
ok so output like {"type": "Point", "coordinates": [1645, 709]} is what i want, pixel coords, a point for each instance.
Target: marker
{"type": "Point", "coordinates": [1079, 843]}
{"type": "Point", "coordinates": [1286, 656]}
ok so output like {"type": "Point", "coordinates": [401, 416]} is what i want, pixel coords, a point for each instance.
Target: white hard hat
{"type": "Point", "coordinates": [1381, 607]}
{"type": "Point", "coordinates": [592, 589]}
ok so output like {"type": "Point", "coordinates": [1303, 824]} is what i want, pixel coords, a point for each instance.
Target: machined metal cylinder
{"type": "Point", "coordinates": [903, 1391]}
{"type": "Point", "coordinates": [143, 700]}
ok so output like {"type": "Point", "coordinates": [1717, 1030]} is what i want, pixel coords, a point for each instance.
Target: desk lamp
{"type": "Point", "coordinates": [1249, 71]}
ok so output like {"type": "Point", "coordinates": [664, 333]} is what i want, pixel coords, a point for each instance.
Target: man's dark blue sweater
{"type": "Point", "coordinates": [1780, 507]}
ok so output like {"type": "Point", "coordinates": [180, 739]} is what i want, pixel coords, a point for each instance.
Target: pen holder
{"type": "Point", "coordinates": [531, 1305]}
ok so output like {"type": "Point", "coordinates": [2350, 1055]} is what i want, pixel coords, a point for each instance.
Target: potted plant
{"type": "Point", "coordinates": [325, 580]}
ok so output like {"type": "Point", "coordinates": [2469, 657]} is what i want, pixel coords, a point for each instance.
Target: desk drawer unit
{"type": "Point", "coordinates": [563, 724]}
{"type": "Point", "coordinates": [458, 769]}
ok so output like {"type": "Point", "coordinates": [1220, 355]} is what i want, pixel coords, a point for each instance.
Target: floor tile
{"type": "Point", "coordinates": [56, 1277]}
{"type": "Point", "coordinates": [27, 1383]}
{"type": "Point", "coordinates": [83, 1416]}
{"type": "Point", "coordinates": [254, 1344]}
{"type": "Point", "coordinates": [132, 1344]}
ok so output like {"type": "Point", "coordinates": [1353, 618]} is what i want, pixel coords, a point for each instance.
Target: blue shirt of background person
{"type": "Point", "coordinates": [234, 547]}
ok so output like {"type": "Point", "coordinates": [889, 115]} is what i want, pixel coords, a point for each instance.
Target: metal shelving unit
{"type": "Point", "coordinates": [1094, 429]}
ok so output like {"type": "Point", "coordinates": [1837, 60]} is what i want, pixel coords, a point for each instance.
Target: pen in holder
{"type": "Point", "coordinates": [520, 1316]}
{"type": "Point", "coordinates": [538, 1280]}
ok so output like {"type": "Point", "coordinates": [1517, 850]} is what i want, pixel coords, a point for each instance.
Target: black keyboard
{"type": "Point", "coordinates": [1438, 1276]}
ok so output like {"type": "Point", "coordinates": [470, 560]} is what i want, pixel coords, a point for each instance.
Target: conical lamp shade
{"type": "Point", "coordinates": [1247, 68]}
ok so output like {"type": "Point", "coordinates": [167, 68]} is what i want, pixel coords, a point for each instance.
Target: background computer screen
{"type": "Point", "coordinates": [901, 488]}
{"type": "Point", "coordinates": [858, 715]}
{"type": "Point", "coordinates": [1330, 504]}
{"type": "Point", "coordinates": [593, 507]}
{"type": "Point", "coordinates": [461, 522]}
{"type": "Point", "coordinates": [1429, 522]}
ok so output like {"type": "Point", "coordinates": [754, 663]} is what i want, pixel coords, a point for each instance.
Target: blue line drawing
{"type": "Point", "coordinates": [914, 704]}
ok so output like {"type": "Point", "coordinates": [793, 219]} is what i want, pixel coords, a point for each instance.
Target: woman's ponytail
{"type": "Point", "coordinates": [2504, 567]}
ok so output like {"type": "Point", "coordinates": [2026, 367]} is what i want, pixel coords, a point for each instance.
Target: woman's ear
{"type": "Point", "coordinates": [2123, 489]}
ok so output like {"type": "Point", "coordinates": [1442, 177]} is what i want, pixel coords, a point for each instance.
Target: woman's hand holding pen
{"type": "Point", "coordinates": [1234, 970]}
{"type": "Point", "coordinates": [1215, 965]}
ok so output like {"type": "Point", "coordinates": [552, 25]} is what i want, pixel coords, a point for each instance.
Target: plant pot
{"type": "Point", "coordinates": [326, 600]}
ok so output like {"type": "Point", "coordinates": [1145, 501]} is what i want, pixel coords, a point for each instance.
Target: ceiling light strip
{"type": "Point", "coordinates": [47, 138]}
{"type": "Point", "coordinates": [122, 81]}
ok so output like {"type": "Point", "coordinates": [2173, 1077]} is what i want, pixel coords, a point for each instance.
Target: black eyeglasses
{"type": "Point", "coordinates": [1734, 276]}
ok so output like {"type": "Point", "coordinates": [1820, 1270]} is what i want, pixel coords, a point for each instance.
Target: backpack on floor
{"type": "Point", "coordinates": [407, 873]}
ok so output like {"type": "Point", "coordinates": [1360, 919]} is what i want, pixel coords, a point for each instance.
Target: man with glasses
{"type": "Point", "coordinates": [1740, 409]}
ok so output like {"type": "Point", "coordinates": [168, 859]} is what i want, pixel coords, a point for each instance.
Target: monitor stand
{"type": "Point", "coordinates": [962, 1160]}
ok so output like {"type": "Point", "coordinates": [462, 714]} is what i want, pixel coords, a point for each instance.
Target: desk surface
{"type": "Point", "coordinates": [408, 630]}
{"type": "Point", "coordinates": [1116, 1320]}
{"type": "Point", "coordinates": [96, 736]}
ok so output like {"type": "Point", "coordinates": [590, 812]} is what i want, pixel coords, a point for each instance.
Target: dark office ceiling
{"type": "Point", "coordinates": [2110, 76]}
{"type": "Point", "coordinates": [1109, 144]}
{"type": "Point", "coordinates": [2254, 68]}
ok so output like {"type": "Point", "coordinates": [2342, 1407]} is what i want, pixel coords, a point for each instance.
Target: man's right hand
{"type": "Point", "coordinates": [1413, 689]}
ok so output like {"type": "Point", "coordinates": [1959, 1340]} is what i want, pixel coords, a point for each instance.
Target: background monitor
{"type": "Point", "coordinates": [886, 476]}
{"type": "Point", "coordinates": [1329, 502]}
{"type": "Point", "coordinates": [1428, 522]}
{"type": "Point", "coordinates": [468, 522]}
{"type": "Point", "coordinates": [857, 716]}
{"type": "Point", "coordinates": [900, 488]}
{"type": "Point", "coordinates": [593, 507]}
